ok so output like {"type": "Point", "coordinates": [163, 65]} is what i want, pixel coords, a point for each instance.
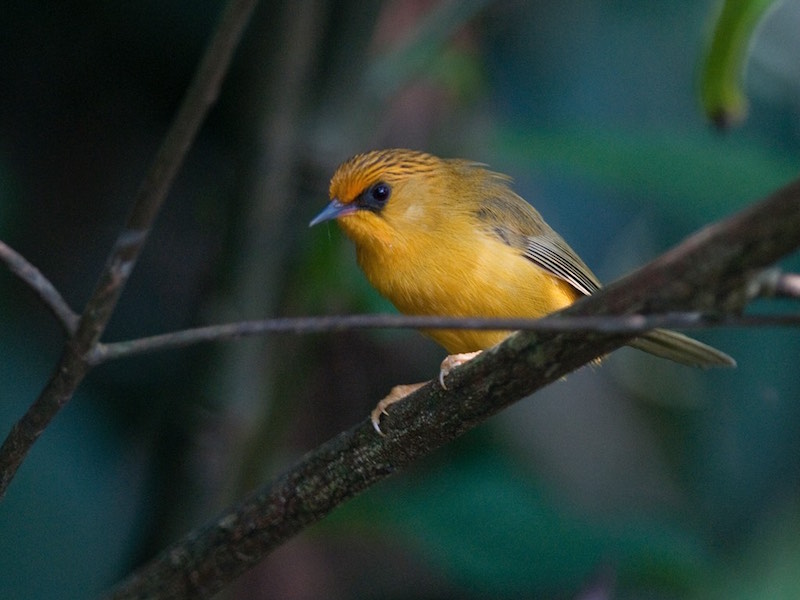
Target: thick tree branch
{"type": "Point", "coordinates": [712, 272]}
{"type": "Point", "coordinates": [74, 362]}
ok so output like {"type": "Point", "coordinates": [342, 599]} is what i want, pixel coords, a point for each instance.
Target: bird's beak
{"type": "Point", "coordinates": [334, 210]}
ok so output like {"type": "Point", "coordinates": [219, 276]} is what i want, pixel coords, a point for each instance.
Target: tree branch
{"type": "Point", "coordinates": [636, 323]}
{"type": "Point", "coordinates": [712, 271]}
{"type": "Point", "coordinates": [41, 286]}
{"type": "Point", "coordinates": [781, 285]}
{"type": "Point", "coordinates": [74, 362]}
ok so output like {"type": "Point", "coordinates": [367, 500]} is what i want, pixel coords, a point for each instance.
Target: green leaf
{"type": "Point", "coordinates": [721, 92]}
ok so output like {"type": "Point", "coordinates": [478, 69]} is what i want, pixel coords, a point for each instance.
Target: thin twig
{"type": "Point", "coordinates": [623, 324]}
{"type": "Point", "coordinates": [74, 362]}
{"type": "Point", "coordinates": [46, 291]}
{"type": "Point", "coordinates": [710, 272]}
{"type": "Point", "coordinates": [781, 285]}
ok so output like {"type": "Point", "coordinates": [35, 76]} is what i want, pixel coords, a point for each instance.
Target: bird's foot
{"type": "Point", "coordinates": [396, 394]}
{"type": "Point", "coordinates": [453, 361]}
{"type": "Point", "coordinates": [399, 392]}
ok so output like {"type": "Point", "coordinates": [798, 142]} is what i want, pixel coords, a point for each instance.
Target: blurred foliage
{"type": "Point", "coordinates": [425, 51]}
{"type": "Point", "coordinates": [703, 173]}
{"type": "Point", "coordinates": [73, 510]}
{"type": "Point", "coordinates": [767, 566]}
{"type": "Point", "coordinates": [639, 477]}
{"type": "Point", "coordinates": [522, 541]}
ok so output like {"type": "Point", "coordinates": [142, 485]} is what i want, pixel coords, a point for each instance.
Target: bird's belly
{"type": "Point", "coordinates": [497, 283]}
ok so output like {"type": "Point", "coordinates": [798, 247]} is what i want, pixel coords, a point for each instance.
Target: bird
{"type": "Point", "coordinates": [450, 237]}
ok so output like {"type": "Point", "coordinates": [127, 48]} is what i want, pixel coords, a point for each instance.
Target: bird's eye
{"type": "Point", "coordinates": [376, 196]}
{"type": "Point", "coordinates": [379, 194]}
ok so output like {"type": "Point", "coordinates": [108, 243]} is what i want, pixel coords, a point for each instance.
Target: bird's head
{"type": "Point", "coordinates": [378, 195]}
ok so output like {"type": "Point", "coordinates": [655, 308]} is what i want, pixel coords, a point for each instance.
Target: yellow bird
{"type": "Point", "coordinates": [448, 237]}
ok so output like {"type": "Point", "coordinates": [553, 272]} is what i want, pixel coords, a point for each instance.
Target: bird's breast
{"type": "Point", "coordinates": [444, 276]}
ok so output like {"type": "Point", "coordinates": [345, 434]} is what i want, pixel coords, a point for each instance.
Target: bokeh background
{"type": "Point", "coordinates": [638, 479]}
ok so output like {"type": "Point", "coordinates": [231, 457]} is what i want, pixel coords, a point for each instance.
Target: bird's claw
{"type": "Point", "coordinates": [375, 417]}
{"type": "Point", "coordinates": [396, 394]}
{"type": "Point", "coordinates": [451, 362]}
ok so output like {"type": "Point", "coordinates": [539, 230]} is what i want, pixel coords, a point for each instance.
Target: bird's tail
{"type": "Point", "coordinates": [682, 349]}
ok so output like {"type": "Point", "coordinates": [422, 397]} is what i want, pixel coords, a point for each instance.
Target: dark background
{"type": "Point", "coordinates": [639, 478]}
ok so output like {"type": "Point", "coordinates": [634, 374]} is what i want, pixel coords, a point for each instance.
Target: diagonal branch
{"type": "Point", "coordinates": [42, 286]}
{"type": "Point", "coordinates": [74, 363]}
{"type": "Point", "coordinates": [712, 271]}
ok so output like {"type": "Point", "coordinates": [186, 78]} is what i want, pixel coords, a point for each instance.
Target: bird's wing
{"type": "Point", "coordinates": [558, 258]}
{"type": "Point", "coordinates": [506, 216]}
